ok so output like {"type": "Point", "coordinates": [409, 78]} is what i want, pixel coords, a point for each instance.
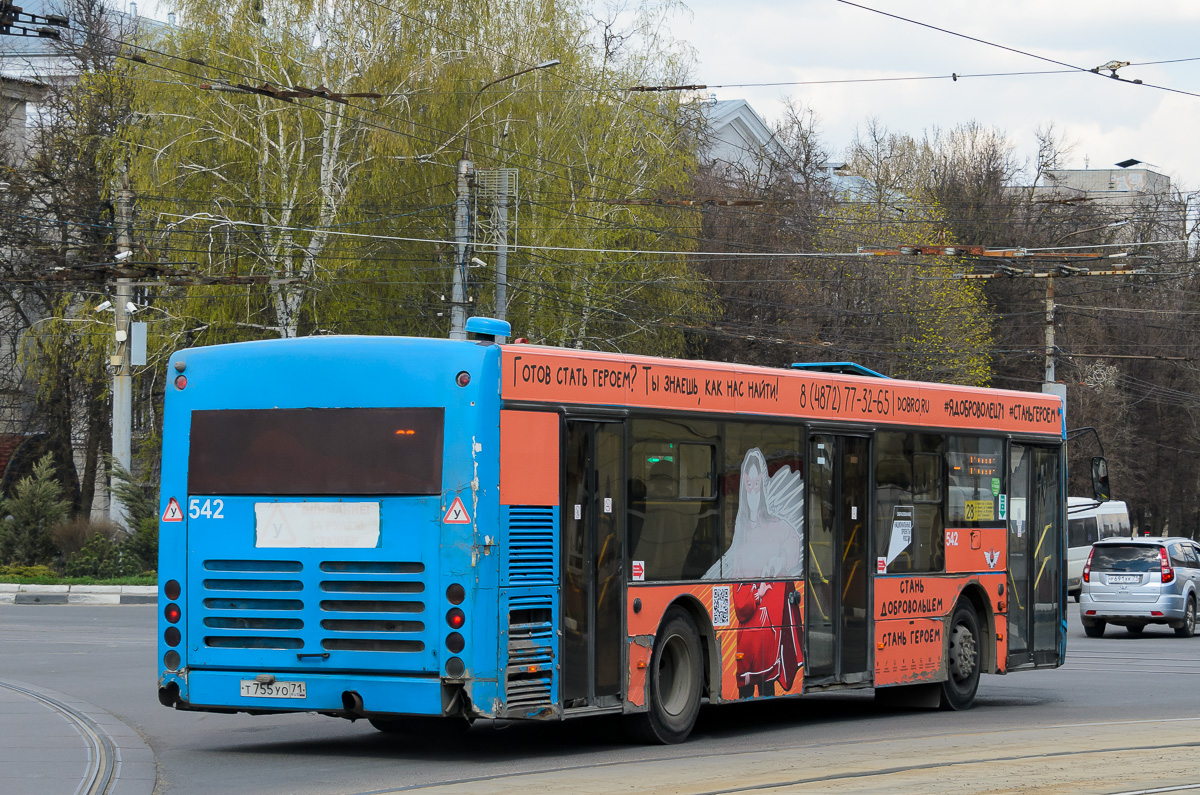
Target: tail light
{"type": "Point", "coordinates": [1168, 573]}
{"type": "Point", "coordinates": [1087, 567]}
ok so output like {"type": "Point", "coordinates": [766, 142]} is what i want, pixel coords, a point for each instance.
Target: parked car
{"type": "Point", "coordinates": [1133, 582]}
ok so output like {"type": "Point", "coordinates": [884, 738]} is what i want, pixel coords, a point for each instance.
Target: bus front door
{"type": "Point", "coordinates": [1036, 599]}
{"type": "Point", "coordinates": [837, 606]}
{"type": "Point", "coordinates": [593, 529]}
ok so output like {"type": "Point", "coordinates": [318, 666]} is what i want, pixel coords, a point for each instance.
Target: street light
{"type": "Point", "coordinates": [462, 206]}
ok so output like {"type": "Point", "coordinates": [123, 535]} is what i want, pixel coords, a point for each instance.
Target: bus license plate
{"type": "Point", "coordinates": [1124, 578]}
{"type": "Point", "coordinates": [254, 689]}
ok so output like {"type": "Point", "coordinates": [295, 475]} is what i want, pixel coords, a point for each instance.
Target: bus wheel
{"type": "Point", "coordinates": [674, 684]}
{"type": "Point", "coordinates": [963, 652]}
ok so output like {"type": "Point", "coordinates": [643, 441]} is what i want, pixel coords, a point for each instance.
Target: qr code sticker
{"type": "Point", "coordinates": [720, 610]}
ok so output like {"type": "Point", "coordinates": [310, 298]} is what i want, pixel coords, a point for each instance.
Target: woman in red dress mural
{"type": "Point", "coordinates": [767, 542]}
{"type": "Point", "coordinates": [768, 643]}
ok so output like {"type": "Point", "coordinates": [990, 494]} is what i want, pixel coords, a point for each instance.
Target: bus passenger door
{"type": "Point", "coordinates": [592, 555]}
{"type": "Point", "coordinates": [837, 605]}
{"type": "Point", "coordinates": [1035, 540]}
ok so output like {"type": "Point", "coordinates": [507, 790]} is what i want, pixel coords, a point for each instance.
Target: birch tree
{"type": "Point", "coordinates": [345, 204]}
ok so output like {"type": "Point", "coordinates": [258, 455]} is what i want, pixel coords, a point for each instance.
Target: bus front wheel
{"type": "Point", "coordinates": [674, 682]}
{"type": "Point", "coordinates": [965, 658]}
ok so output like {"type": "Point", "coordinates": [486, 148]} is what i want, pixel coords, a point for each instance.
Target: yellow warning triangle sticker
{"type": "Point", "coordinates": [173, 512]}
{"type": "Point", "coordinates": [457, 513]}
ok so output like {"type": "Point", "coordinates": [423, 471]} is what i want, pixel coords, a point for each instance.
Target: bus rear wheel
{"type": "Point", "coordinates": [674, 683]}
{"type": "Point", "coordinates": [965, 658]}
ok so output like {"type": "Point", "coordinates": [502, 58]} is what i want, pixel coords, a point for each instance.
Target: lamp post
{"type": "Point", "coordinates": [462, 212]}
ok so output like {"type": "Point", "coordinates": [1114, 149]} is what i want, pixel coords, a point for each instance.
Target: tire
{"type": "Point", "coordinates": [1077, 595]}
{"type": "Point", "coordinates": [674, 683]}
{"type": "Point", "coordinates": [1136, 629]}
{"type": "Point", "coordinates": [965, 659]}
{"type": "Point", "coordinates": [1188, 628]}
{"type": "Point", "coordinates": [1094, 629]}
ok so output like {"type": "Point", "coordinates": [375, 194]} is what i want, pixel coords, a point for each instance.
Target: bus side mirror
{"type": "Point", "coordinates": [1100, 488]}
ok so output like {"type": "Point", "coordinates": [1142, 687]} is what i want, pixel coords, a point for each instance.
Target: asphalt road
{"type": "Point", "coordinates": [1123, 715]}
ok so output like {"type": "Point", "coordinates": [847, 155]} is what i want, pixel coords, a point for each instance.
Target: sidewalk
{"type": "Point", "coordinates": [52, 743]}
{"type": "Point", "coordinates": [24, 594]}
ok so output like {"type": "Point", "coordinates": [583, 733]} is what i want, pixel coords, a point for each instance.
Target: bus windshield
{"type": "Point", "coordinates": [316, 452]}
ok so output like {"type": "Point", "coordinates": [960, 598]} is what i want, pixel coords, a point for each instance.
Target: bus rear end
{"type": "Point", "coordinates": [321, 526]}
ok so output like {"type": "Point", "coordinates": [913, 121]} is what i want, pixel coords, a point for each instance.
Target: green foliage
{"type": "Point", "coordinates": [22, 573]}
{"type": "Point", "coordinates": [104, 558]}
{"type": "Point", "coordinates": [30, 515]}
{"type": "Point", "coordinates": [345, 206]}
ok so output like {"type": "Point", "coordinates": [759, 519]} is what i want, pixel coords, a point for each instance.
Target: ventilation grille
{"type": "Point", "coordinates": [364, 606]}
{"type": "Point", "coordinates": [531, 546]}
{"type": "Point", "coordinates": [529, 674]}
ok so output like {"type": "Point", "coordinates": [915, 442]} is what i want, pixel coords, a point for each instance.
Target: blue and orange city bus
{"type": "Point", "coordinates": [406, 529]}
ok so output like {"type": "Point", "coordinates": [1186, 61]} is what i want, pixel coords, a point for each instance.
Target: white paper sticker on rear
{"type": "Point", "coordinates": [341, 525]}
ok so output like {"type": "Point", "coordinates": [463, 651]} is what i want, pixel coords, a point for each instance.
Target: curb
{"type": "Point", "coordinates": [44, 760]}
{"type": "Point", "coordinates": [22, 594]}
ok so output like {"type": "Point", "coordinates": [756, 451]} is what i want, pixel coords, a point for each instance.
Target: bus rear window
{"type": "Point", "coordinates": [348, 451]}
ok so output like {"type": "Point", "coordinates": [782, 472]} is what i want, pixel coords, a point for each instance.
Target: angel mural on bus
{"type": "Point", "coordinates": [768, 542]}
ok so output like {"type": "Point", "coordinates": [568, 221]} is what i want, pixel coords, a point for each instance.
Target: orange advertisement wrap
{"type": "Point", "coordinates": [977, 549]}
{"type": "Point", "coordinates": [528, 458]}
{"type": "Point", "coordinates": [906, 607]}
{"type": "Point", "coordinates": [925, 596]}
{"type": "Point", "coordinates": [898, 596]}
{"type": "Point", "coordinates": [1001, 644]}
{"type": "Point", "coordinates": [759, 635]}
{"type": "Point", "coordinates": [532, 373]}
{"type": "Point", "coordinates": [909, 651]}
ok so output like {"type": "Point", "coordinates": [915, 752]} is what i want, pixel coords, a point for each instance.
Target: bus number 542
{"type": "Point", "coordinates": [211, 509]}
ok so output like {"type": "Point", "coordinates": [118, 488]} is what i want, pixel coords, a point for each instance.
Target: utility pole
{"type": "Point", "coordinates": [1049, 330]}
{"type": "Point", "coordinates": [122, 420]}
{"type": "Point", "coordinates": [1052, 263]}
{"type": "Point", "coordinates": [502, 249]}
{"type": "Point", "coordinates": [462, 217]}
{"type": "Point", "coordinates": [495, 188]}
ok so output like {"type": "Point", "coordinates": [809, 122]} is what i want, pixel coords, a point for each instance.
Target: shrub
{"type": "Point", "coordinates": [71, 536]}
{"type": "Point", "coordinates": [140, 499]}
{"type": "Point", "coordinates": [26, 572]}
{"type": "Point", "coordinates": [103, 558]}
{"type": "Point", "coordinates": [31, 514]}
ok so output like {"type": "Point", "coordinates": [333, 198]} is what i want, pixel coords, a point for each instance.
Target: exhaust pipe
{"type": "Point", "coordinates": [352, 703]}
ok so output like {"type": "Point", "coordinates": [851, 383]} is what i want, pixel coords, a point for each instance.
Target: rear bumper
{"type": "Point", "coordinates": [341, 694]}
{"type": "Point", "coordinates": [1171, 608]}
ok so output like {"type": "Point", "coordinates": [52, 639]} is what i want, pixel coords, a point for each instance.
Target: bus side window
{"type": "Point", "coordinates": [908, 472]}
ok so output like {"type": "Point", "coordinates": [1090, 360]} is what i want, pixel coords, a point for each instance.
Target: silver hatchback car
{"type": "Point", "coordinates": [1133, 582]}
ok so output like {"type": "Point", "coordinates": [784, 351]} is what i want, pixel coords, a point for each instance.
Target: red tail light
{"type": "Point", "coordinates": [1087, 567]}
{"type": "Point", "coordinates": [1168, 573]}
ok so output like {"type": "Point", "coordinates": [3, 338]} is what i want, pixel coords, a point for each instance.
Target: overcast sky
{"type": "Point", "coordinates": [764, 41]}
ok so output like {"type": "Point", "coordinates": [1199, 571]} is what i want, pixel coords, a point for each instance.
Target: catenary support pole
{"type": "Point", "coordinates": [122, 420]}
{"type": "Point", "coordinates": [502, 249]}
{"type": "Point", "coordinates": [462, 218]}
